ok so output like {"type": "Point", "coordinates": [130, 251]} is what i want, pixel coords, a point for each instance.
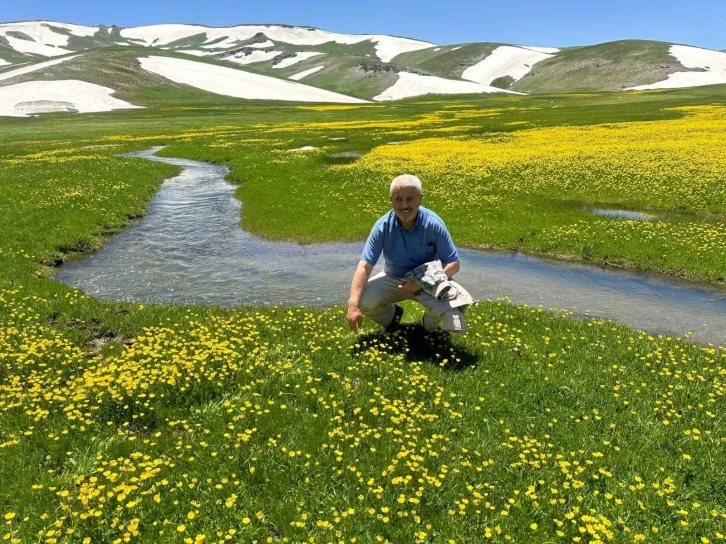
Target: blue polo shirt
{"type": "Point", "coordinates": [404, 250]}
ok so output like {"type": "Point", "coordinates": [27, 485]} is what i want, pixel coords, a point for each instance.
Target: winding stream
{"type": "Point", "coordinates": [189, 249]}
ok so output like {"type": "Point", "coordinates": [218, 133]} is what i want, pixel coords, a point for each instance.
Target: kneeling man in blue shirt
{"type": "Point", "coordinates": [408, 236]}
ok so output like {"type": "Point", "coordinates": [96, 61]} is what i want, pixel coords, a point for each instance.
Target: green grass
{"type": "Point", "coordinates": [346, 76]}
{"type": "Point", "coordinates": [324, 198]}
{"type": "Point", "coordinates": [12, 56]}
{"type": "Point", "coordinates": [503, 82]}
{"type": "Point", "coordinates": [158, 423]}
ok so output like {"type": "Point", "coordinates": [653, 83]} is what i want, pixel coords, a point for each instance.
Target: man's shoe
{"type": "Point", "coordinates": [423, 324]}
{"type": "Point", "coordinates": [398, 314]}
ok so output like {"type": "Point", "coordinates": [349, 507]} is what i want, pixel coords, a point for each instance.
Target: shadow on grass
{"type": "Point", "coordinates": [412, 340]}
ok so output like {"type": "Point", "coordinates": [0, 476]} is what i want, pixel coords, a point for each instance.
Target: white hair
{"type": "Point", "coordinates": [406, 180]}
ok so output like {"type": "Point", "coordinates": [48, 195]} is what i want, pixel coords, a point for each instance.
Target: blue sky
{"type": "Point", "coordinates": [529, 22]}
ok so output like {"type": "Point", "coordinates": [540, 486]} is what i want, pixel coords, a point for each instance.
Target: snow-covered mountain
{"type": "Point", "coordinates": [51, 39]}
{"type": "Point", "coordinates": [297, 63]}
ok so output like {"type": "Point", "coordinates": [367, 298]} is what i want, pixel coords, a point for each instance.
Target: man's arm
{"type": "Point", "coordinates": [357, 287]}
{"type": "Point", "coordinates": [451, 268]}
{"type": "Point", "coordinates": [410, 287]}
{"type": "Point", "coordinates": [446, 251]}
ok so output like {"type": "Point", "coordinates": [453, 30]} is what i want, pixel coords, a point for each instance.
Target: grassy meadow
{"type": "Point", "coordinates": [122, 422]}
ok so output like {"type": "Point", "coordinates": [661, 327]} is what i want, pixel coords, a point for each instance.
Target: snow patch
{"type": "Point", "coordinates": [409, 85]}
{"type": "Point", "coordinates": [34, 67]}
{"type": "Point", "coordinates": [194, 52]}
{"type": "Point", "coordinates": [455, 48]}
{"type": "Point", "coordinates": [3, 62]}
{"type": "Point", "coordinates": [505, 60]}
{"type": "Point", "coordinates": [237, 83]}
{"type": "Point", "coordinates": [263, 45]}
{"type": "Point", "coordinates": [387, 47]}
{"type": "Point", "coordinates": [550, 50]}
{"type": "Point", "coordinates": [34, 97]}
{"type": "Point", "coordinates": [219, 45]}
{"type": "Point", "coordinates": [76, 30]}
{"type": "Point", "coordinates": [303, 148]}
{"type": "Point", "coordinates": [162, 34]}
{"type": "Point", "coordinates": [297, 58]}
{"type": "Point", "coordinates": [305, 73]}
{"type": "Point", "coordinates": [43, 39]}
{"type": "Point", "coordinates": [255, 56]}
{"type": "Point", "coordinates": [222, 45]}
{"type": "Point", "coordinates": [714, 62]}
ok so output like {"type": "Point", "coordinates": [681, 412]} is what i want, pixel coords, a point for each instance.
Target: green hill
{"type": "Point", "coordinates": [611, 66]}
{"type": "Point", "coordinates": [353, 69]}
{"type": "Point", "coordinates": [353, 75]}
{"type": "Point", "coordinates": [8, 54]}
{"type": "Point", "coordinates": [118, 68]}
{"type": "Point", "coordinates": [448, 61]}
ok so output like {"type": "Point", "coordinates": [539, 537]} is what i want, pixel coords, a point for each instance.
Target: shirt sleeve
{"type": "Point", "coordinates": [374, 246]}
{"type": "Point", "coordinates": [445, 248]}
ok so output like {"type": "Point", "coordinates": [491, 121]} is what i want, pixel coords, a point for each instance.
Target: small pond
{"type": "Point", "coordinates": [344, 157]}
{"type": "Point", "coordinates": [622, 214]}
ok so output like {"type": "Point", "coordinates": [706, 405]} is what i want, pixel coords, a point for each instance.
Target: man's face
{"type": "Point", "coordinates": [406, 202]}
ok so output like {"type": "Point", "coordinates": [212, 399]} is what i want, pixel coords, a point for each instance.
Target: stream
{"type": "Point", "coordinates": [189, 248]}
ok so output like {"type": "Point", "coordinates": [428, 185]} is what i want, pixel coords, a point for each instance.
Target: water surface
{"type": "Point", "coordinates": [344, 157]}
{"type": "Point", "coordinates": [622, 214]}
{"type": "Point", "coordinates": [189, 248]}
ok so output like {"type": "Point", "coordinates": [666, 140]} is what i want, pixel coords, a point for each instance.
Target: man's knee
{"type": "Point", "coordinates": [453, 321]}
{"type": "Point", "coordinates": [368, 305]}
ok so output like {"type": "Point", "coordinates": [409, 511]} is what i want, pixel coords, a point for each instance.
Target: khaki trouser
{"type": "Point", "coordinates": [382, 291]}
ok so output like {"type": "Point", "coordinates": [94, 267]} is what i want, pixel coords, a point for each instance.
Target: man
{"type": "Point", "coordinates": [409, 235]}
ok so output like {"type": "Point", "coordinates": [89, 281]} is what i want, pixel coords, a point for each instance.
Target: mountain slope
{"type": "Point", "coordinates": [364, 66]}
{"type": "Point", "coordinates": [611, 66]}
{"type": "Point", "coordinates": [33, 97]}
{"type": "Point", "coordinates": [239, 83]}
{"type": "Point", "coordinates": [50, 39]}
{"type": "Point", "coordinates": [448, 61]}
{"type": "Point", "coordinates": [705, 67]}
{"type": "Point", "coordinates": [386, 47]}
{"type": "Point", "coordinates": [122, 69]}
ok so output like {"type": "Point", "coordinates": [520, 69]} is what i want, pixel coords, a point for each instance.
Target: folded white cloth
{"type": "Point", "coordinates": [432, 279]}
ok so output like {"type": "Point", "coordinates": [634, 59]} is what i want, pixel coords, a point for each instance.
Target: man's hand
{"type": "Point", "coordinates": [357, 286]}
{"type": "Point", "coordinates": [409, 286]}
{"type": "Point", "coordinates": [354, 317]}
